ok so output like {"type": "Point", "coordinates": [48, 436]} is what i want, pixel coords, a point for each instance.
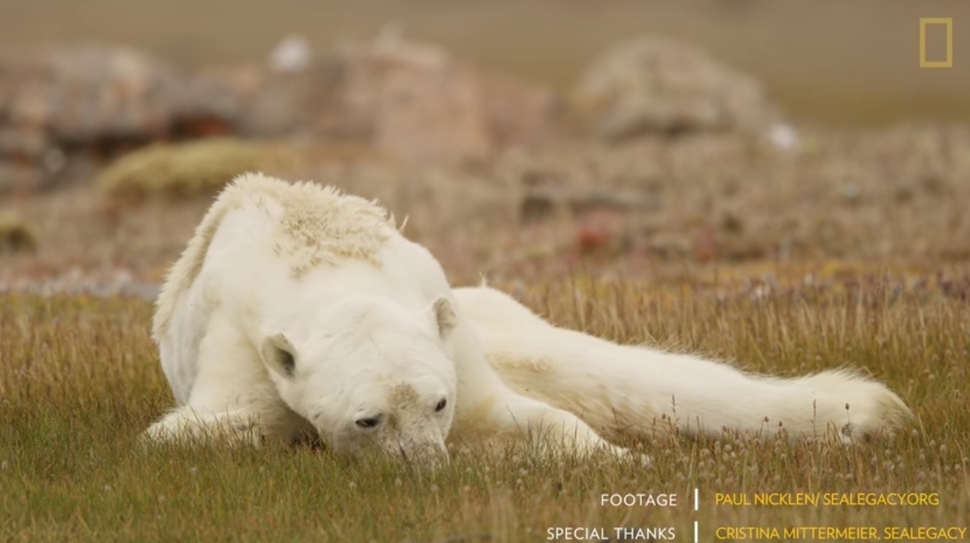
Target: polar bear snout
{"type": "Point", "coordinates": [404, 419]}
{"type": "Point", "coordinates": [410, 429]}
{"type": "Point", "coordinates": [429, 454]}
{"type": "Point", "coordinates": [406, 436]}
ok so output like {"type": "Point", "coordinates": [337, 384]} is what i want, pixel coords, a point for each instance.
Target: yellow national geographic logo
{"type": "Point", "coordinates": [946, 22]}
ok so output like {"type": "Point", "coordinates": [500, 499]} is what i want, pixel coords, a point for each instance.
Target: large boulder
{"type": "Point", "coordinates": [76, 95]}
{"type": "Point", "coordinates": [662, 86]}
{"type": "Point", "coordinates": [412, 101]}
{"type": "Point", "coordinates": [57, 102]}
{"type": "Point", "coordinates": [63, 106]}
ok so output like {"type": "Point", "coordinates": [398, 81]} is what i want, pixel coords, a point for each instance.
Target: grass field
{"type": "Point", "coordinates": [79, 380]}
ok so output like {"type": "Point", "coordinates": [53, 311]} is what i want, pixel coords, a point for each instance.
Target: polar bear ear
{"type": "Point", "coordinates": [444, 315]}
{"type": "Point", "coordinates": [279, 355]}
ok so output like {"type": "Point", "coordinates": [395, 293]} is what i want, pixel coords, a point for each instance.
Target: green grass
{"type": "Point", "coordinates": [79, 380]}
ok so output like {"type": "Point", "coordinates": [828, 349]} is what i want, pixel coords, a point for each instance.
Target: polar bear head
{"type": "Point", "coordinates": [371, 375]}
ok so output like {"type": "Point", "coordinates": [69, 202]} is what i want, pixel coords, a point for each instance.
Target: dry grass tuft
{"type": "Point", "coordinates": [16, 235]}
{"type": "Point", "coordinates": [80, 380]}
{"type": "Point", "coordinates": [194, 168]}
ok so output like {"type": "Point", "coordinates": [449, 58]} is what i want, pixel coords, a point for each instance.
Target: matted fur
{"type": "Point", "coordinates": [627, 392]}
{"type": "Point", "coordinates": [297, 310]}
{"type": "Point", "coordinates": [317, 225]}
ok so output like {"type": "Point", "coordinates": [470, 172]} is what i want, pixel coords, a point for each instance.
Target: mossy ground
{"type": "Point", "coordinates": [195, 168]}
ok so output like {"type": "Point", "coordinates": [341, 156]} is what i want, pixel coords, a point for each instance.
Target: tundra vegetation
{"type": "Point", "coordinates": [693, 216]}
{"type": "Point", "coordinates": [80, 381]}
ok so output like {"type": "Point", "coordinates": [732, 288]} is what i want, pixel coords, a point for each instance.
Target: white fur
{"type": "Point", "coordinates": [296, 309]}
{"type": "Point", "coordinates": [630, 392]}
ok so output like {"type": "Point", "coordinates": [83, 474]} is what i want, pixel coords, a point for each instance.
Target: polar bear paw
{"type": "Point", "coordinates": [186, 425]}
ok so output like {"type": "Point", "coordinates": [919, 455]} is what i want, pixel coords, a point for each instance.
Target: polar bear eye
{"type": "Point", "coordinates": [368, 422]}
{"type": "Point", "coordinates": [441, 405]}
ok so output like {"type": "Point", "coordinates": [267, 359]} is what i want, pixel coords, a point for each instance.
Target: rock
{"type": "Point", "coordinates": [658, 85]}
{"type": "Point", "coordinates": [214, 101]}
{"type": "Point", "coordinates": [516, 113]}
{"type": "Point", "coordinates": [94, 92]}
{"type": "Point", "coordinates": [543, 201]}
{"type": "Point", "coordinates": [429, 107]}
{"type": "Point", "coordinates": [24, 143]}
{"type": "Point", "coordinates": [302, 103]}
{"type": "Point", "coordinates": [434, 107]}
{"type": "Point", "coordinates": [291, 54]}
{"type": "Point", "coordinates": [59, 101]}
{"type": "Point", "coordinates": [16, 179]}
{"type": "Point", "coordinates": [783, 136]}
{"type": "Point", "coordinates": [412, 101]}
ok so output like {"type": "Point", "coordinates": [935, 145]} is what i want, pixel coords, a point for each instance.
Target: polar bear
{"type": "Point", "coordinates": [628, 392]}
{"type": "Point", "coordinates": [296, 309]}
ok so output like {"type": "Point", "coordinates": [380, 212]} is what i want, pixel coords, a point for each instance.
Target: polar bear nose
{"type": "Point", "coordinates": [428, 455]}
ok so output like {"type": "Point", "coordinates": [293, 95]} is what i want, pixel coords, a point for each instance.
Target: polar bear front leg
{"type": "Point", "coordinates": [185, 424]}
{"type": "Point", "coordinates": [232, 396]}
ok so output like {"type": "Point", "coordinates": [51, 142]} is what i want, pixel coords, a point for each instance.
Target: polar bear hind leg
{"type": "Point", "coordinates": [549, 428]}
{"type": "Point", "coordinates": [627, 392]}
{"type": "Point", "coordinates": [490, 411]}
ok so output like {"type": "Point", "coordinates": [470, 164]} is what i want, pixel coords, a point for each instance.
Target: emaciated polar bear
{"type": "Point", "coordinates": [627, 392]}
{"type": "Point", "coordinates": [296, 309]}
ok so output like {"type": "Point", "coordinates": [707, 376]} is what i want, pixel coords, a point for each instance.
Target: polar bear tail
{"type": "Point", "coordinates": [629, 392]}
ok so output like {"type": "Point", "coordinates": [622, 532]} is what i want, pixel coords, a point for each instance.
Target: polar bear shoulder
{"type": "Point", "coordinates": [313, 225]}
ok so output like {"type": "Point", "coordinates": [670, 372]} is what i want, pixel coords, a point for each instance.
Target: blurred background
{"type": "Point", "coordinates": [522, 139]}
